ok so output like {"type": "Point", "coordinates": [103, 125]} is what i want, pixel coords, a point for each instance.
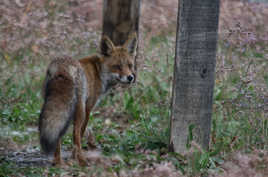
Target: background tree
{"type": "Point", "coordinates": [120, 18]}
{"type": "Point", "coordinates": [194, 72]}
{"type": "Point", "coordinates": [259, 1]}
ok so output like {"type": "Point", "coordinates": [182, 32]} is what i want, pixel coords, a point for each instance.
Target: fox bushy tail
{"type": "Point", "coordinates": [57, 112]}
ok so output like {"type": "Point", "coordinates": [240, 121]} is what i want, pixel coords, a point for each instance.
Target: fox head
{"type": "Point", "coordinates": [118, 61]}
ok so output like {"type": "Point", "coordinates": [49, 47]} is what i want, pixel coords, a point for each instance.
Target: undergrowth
{"type": "Point", "coordinates": [132, 124]}
{"type": "Point", "coordinates": [238, 123]}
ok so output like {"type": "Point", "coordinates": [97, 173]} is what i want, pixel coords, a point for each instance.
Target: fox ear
{"type": "Point", "coordinates": [131, 44]}
{"type": "Point", "coordinates": [107, 46]}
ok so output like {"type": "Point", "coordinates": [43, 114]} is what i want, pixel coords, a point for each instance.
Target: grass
{"type": "Point", "coordinates": [239, 122]}
{"type": "Point", "coordinates": [131, 125]}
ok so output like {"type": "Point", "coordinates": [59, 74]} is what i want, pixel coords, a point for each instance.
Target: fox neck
{"type": "Point", "coordinates": [107, 80]}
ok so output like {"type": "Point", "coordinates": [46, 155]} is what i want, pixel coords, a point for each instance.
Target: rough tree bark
{"type": "Point", "coordinates": [194, 72]}
{"type": "Point", "coordinates": [120, 18]}
{"type": "Point", "coordinates": [258, 1]}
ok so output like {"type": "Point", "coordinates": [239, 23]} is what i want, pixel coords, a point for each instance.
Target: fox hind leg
{"type": "Point", "coordinates": [79, 119]}
{"type": "Point", "coordinates": [57, 155]}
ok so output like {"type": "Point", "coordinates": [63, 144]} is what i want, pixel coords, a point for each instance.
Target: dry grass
{"type": "Point", "coordinates": [34, 32]}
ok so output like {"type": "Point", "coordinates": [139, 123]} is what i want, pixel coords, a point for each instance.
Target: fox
{"type": "Point", "coordinates": [73, 87]}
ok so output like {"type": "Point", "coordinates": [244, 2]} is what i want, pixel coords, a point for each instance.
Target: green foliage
{"type": "Point", "coordinates": [20, 103]}
{"type": "Point", "coordinates": [10, 169]}
{"type": "Point", "coordinates": [140, 135]}
{"type": "Point", "coordinates": [5, 169]}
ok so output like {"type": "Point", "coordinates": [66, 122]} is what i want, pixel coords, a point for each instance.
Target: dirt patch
{"type": "Point", "coordinates": [246, 165]}
{"type": "Point", "coordinates": [26, 158]}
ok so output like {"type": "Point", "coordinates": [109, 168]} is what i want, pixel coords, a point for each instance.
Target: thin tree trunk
{"type": "Point", "coordinates": [194, 72]}
{"type": "Point", "coordinates": [121, 18]}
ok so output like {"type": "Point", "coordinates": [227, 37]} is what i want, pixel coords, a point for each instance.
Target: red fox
{"type": "Point", "coordinates": [72, 88]}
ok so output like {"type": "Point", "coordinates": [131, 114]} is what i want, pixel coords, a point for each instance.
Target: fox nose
{"type": "Point", "coordinates": [130, 78]}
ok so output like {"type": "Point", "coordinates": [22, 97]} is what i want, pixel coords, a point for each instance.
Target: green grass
{"type": "Point", "coordinates": [20, 102]}
{"type": "Point", "coordinates": [238, 124]}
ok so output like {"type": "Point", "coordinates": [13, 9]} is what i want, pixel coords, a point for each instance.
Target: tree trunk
{"type": "Point", "coordinates": [257, 1]}
{"type": "Point", "coordinates": [120, 19]}
{"type": "Point", "coordinates": [194, 73]}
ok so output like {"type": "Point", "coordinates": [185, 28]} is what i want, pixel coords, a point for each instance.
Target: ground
{"type": "Point", "coordinates": [130, 127]}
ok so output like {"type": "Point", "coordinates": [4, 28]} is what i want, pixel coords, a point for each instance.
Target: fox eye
{"type": "Point", "coordinates": [130, 65]}
{"type": "Point", "coordinates": [117, 67]}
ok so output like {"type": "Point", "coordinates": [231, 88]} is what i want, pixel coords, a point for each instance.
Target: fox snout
{"type": "Point", "coordinates": [127, 79]}
{"type": "Point", "coordinates": [130, 78]}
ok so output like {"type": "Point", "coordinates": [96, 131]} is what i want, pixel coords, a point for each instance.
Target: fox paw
{"type": "Point", "coordinates": [78, 155]}
{"type": "Point", "coordinates": [82, 161]}
{"type": "Point", "coordinates": [58, 163]}
{"type": "Point", "coordinates": [91, 145]}
{"type": "Point", "coordinates": [91, 142]}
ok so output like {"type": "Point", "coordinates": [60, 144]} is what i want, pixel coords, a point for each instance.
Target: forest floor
{"type": "Point", "coordinates": [131, 125]}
